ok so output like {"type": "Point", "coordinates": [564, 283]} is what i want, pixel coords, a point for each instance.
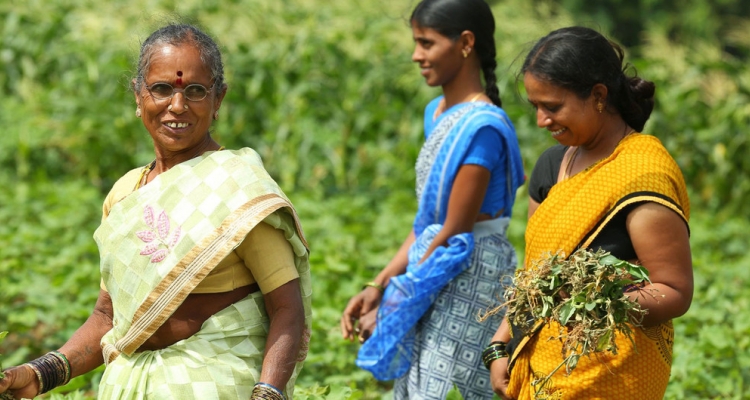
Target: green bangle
{"type": "Point", "coordinates": [374, 285]}
{"type": "Point", "coordinates": [496, 350]}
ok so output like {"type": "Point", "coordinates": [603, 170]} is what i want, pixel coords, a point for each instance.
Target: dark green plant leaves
{"type": "Point", "coordinates": [584, 293]}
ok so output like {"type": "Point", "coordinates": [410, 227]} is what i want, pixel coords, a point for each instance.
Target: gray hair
{"type": "Point", "coordinates": [175, 35]}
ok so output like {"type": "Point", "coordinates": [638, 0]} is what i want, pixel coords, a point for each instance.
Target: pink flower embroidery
{"type": "Point", "coordinates": [157, 239]}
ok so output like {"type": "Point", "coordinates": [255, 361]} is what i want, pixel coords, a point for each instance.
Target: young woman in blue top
{"type": "Point", "coordinates": [417, 319]}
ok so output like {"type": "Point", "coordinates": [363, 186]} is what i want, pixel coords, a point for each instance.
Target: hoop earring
{"type": "Point", "coordinates": [600, 107]}
{"type": "Point", "coordinates": [138, 112]}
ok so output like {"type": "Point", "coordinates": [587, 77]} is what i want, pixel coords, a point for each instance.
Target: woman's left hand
{"type": "Point", "coordinates": [367, 324]}
{"type": "Point", "coordinates": [499, 377]}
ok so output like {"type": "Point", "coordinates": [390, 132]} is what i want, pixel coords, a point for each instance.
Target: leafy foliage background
{"type": "Point", "coordinates": [326, 92]}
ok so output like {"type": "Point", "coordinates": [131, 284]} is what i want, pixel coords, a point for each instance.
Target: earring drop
{"type": "Point", "coordinates": [466, 51]}
{"type": "Point", "coordinates": [216, 115]}
{"type": "Point", "coordinates": [600, 107]}
{"type": "Point", "coordinates": [138, 112]}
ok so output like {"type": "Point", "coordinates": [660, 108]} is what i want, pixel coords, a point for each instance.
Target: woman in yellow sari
{"type": "Point", "coordinates": [604, 186]}
{"type": "Point", "coordinates": [205, 289]}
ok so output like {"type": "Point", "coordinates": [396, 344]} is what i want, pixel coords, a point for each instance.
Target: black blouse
{"type": "Point", "coordinates": [614, 237]}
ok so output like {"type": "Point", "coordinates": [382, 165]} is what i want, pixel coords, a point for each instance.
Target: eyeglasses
{"type": "Point", "coordinates": [192, 92]}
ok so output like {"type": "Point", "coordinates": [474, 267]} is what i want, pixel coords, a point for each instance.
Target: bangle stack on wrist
{"type": "Point", "coordinates": [375, 285]}
{"type": "Point", "coordinates": [52, 370]}
{"type": "Point", "coordinates": [265, 391]}
{"type": "Point", "coordinates": [494, 351]}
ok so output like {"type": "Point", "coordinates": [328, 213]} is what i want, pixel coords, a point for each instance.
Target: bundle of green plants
{"type": "Point", "coordinates": [586, 294]}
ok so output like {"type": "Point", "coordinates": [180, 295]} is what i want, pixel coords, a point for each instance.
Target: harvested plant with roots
{"type": "Point", "coordinates": [585, 294]}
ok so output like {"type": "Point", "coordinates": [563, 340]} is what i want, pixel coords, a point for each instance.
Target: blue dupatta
{"type": "Point", "coordinates": [387, 353]}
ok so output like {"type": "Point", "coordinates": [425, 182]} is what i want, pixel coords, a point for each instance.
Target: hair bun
{"type": "Point", "coordinates": [641, 88]}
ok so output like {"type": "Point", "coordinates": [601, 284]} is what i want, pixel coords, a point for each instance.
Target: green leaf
{"type": "Point", "coordinates": [603, 342]}
{"type": "Point", "coordinates": [454, 394]}
{"type": "Point", "coordinates": [566, 311]}
{"type": "Point", "coordinates": [609, 260]}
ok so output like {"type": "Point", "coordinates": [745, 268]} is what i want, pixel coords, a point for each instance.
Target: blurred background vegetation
{"type": "Point", "coordinates": [327, 94]}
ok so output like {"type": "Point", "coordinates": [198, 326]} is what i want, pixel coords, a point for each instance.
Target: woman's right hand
{"type": "Point", "coordinates": [21, 381]}
{"type": "Point", "coordinates": [499, 377]}
{"type": "Point", "coordinates": [360, 305]}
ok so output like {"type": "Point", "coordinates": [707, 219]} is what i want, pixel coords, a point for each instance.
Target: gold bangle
{"type": "Point", "coordinates": [374, 285]}
{"type": "Point", "coordinates": [39, 376]}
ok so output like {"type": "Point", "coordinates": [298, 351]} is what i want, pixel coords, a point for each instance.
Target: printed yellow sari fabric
{"type": "Point", "coordinates": [639, 170]}
{"type": "Point", "coordinates": [157, 244]}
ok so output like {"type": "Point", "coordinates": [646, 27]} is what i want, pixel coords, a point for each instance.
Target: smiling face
{"type": "Point", "coordinates": [439, 57]}
{"type": "Point", "coordinates": [571, 120]}
{"type": "Point", "coordinates": [177, 129]}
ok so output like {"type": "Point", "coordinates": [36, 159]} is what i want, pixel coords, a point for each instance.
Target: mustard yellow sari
{"type": "Point", "coordinates": [573, 214]}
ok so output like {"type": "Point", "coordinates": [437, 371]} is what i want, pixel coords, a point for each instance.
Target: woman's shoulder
{"type": "Point", "coordinates": [490, 115]}
{"type": "Point", "coordinates": [548, 163]}
{"type": "Point", "coordinates": [121, 189]}
{"type": "Point", "coordinates": [127, 183]}
{"type": "Point", "coordinates": [544, 174]}
{"type": "Point", "coordinates": [552, 154]}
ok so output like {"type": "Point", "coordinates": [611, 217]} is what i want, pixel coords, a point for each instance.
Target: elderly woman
{"type": "Point", "coordinates": [205, 288]}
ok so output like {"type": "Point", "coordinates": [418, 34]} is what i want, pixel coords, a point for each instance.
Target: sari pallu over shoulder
{"type": "Point", "coordinates": [387, 353]}
{"type": "Point", "coordinates": [159, 242]}
{"type": "Point", "coordinates": [573, 214]}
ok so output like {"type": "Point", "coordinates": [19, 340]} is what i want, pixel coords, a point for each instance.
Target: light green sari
{"type": "Point", "coordinates": [157, 245]}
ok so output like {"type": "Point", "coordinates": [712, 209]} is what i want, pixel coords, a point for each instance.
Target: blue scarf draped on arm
{"type": "Point", "coordinates": [387, 353]}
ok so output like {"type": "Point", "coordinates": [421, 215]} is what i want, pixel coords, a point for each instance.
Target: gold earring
{"type": "Point", "coordinates": [466, 51]}
{"type": "Point", "coordinates": [185, 106]}
{"type": "Point", "coordinates": [600, 107]}
{"type": "Point", "coordinates": [216, 115]}
{"type": "Point", "coordinates": [138, 112]}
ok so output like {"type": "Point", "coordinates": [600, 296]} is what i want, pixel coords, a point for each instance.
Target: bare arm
{"type": "Point", "coordinates": [533, 205]}
{"type": "Point", "coordinates": [464, 204]}
{"type": "Point", "coordinates": [499, 376]}
{"type": "Point", "coordinates": [660, 239]}
{"type": "Point", "coordinates": [287, 315]}
{"type": "Point", "coordinates": [82, 350]}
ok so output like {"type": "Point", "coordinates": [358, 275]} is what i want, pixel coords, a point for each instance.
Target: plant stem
{"type": "Point", "coordinates": [548, 377]}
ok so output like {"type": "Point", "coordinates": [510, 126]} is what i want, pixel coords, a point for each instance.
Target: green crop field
{"type": "Point", "coordinates": [326, 92]}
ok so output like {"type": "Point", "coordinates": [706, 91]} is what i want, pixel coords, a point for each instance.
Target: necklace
{"type": "Point", "coordinates": [572, 159]}
{"type": "Point", "coordinates": [569, 165]}
{"type": "Point", "coordinates": [473, 99]}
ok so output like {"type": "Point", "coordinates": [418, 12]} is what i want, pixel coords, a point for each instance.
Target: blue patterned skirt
{"type": "Point", "coordinates": [449, 338]}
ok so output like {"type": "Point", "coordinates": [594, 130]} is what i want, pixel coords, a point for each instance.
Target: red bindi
{"type": "Point", "coordinates": [179, 80]}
